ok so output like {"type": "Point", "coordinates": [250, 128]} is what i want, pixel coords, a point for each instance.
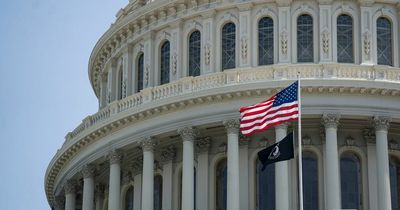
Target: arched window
{"type": "Point", "coordinates": [221, 185]}
{"type": "Point", "coordinates": [345, 39]}
{"type": "Point", "coordinates": [120, 84]}
{"type": "Point", "coordinates": [350, 173]}
{"type": "Point", "coordinates": [164, 65]}
{"type": "Point", "coordinates": [394, 169]}
{"type": "Point", "coordinates": [384, 41]}
{"type": "Point", "coordinates": [305, 39]}
{"type": "Point", "coordinates": [129, 199]}
{"type": "Point", "coordinates": [228, 46]}
{"type": "Point", "coordinates": [140, 69]}
{"type": "Point", "coordinates": [194, 53]}
{"type": "Point", "coordinates": [265, 187]}
{"type": "Point", "coordinates": [157, 192]}
{"type": "Point", "coordinates": [310, 181]}
{"type": "Point", "coordinates": [265, 41]}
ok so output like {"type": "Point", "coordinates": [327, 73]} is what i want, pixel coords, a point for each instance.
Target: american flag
{"type": "Point", "coordinates": [279, 108]}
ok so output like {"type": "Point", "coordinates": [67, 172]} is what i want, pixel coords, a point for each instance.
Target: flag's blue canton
{"type": "Point", "coordinates": [287, 95]}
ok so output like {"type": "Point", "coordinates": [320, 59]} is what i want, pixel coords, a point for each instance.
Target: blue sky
{"type": "Point", "coordinates": [44, 87]}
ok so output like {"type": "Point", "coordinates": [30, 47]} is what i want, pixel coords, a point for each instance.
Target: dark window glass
{"type": "Point", "coordinates": [384, 41]}
{"type": "Point", "coordinates": [265, 187]}
{"type": "Point", "coordinates": [129, 199]}
{"type": "Point", "coordinates": [221, 186]}
{"type": "Point", "coordinates": [158, 192]}
{"type": "Point", "coordinates": [305, 39]}
{"type": "Point", "coordinates": [350, 173]}
{"type": "Point", "coordinates": [265, 41]}
{"type": "Point", "coordinates": [120, 83]}
{"type": "Point", "coordinates": [194, 53]}
{"type": "Point", "coordinates": [345, 39]}
{"type": "Point", "coordinates": [140, 67]}
{"type": "Point", "coordinates": [394, 169]}
{"type": "Point", "coordinates": [310, 181]}
{"type": "Point", "coordinates": [228, 46]}
{"type": "Point", "coordinates": [164, 67]}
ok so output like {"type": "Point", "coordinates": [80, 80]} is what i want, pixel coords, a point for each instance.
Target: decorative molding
{"type": "Point", "coordinates": [394, 145]}
{"type": "Point", "coordinates": [330, 120]}
{"type": "Point", "coordinates": [88, 171]}
{"type": "Point", "coordinates": [207, 53]}
{"type": "Point", "coordinates": [325, 41]}
{"type": "Point", "coordinates": [284, 42]}
{"type": "Point", "coordinates": [381, 123]}
{"type": "Point", "coordinates": [174, 62]}
{"type": "Point", "coordinates": [349, 141]}
{"type": "Point", "coordinates": [146, 75]}
{"type": "Point", "coordinates": [367, 42]}
{"type": "Point", "coordinates": [243, 47]}
{"type": "Point", "coordinates": [232, 126]}
{"type": "Point", "coordinates": [306, 140]}
{"type": "Point", "coordinates": [168, 153]}
{"type": "Point", "coordinates": [369, 136]}
{"type": "Point", "coordinates": [137, 166]}
{"type": "Point", "coordinates": [203, 144]}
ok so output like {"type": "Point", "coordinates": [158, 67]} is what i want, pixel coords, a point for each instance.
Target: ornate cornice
{"type": "Point", "coordinates": [114, 157]}
{"type": "Point", "coordinates": [70, 186]}
{"type": "Point", "coordinates": [88, 171]}
{"type": "Point", "coordinates": [381, 123]}
{"type": "Point", "coordinates": [187, 133]}
{"type": "Point", "coordinates": [232, 125]}
{"type": "Point", "coordinates": [330, 120]}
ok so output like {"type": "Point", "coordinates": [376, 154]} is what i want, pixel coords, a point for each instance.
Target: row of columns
{"type": "Point", "coordinates": [188, 134]}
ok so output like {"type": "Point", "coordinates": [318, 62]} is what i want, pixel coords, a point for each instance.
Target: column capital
{"type": "Point", "coordinates": [381, 123]}
{"type": "Point", "coordinates": [148, 144]}
{"type": "Point", "coordinates": [59, 202]}
{"type": "Point", "coordinates": [232, 125]}
{"type": "Point", "coordinates": [330, 120]}
{"type": "Point", "coordinates": [187, 133]}
{"type": "Point", "coordinates": [369, 136]}
{"type": "Point", "coordinates": [70, 186]}
{"type": "Point", "coordinates": [114, 156]}
{"type": "Point", "coordinates": [203, 144]}
{"type": "Point", "coordinates": [168, 153]}
{"type": "Point", "coordinates": [282, 126]}
{"type": "Point", "coordinates": [88, 171]}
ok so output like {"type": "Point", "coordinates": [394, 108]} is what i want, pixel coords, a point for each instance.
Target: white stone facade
{"type": "Point", "coordinates": [190, 125]}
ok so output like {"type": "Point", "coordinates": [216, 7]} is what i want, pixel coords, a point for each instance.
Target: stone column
{"type": "Point", "coordinates": [88, 187]}
{"type": "Point", "coordinates": [59, 203]}
{"type": "Point", "coordinates": [203, 146]}
{"type": "Point", "coordinates": [167, 156]}
{"type": "Point", "coordinates": [99, 196]}
{"type": "Point", "coordinates": [332, 182]}
{"type": "Point", "coordinates": [137, 177]}
{"type": "Point", "coordinates": [70, 194]}
{"type": "Point", "coordinates": [244, 171]}
{"type": "Point", "coordinates": [281, 174]}
{"type": "Point", "coordinates": [115, 180]}
{"type": "Point", "coordinates": [188, 135]}
{"type": "Point", "coordinates": [369, 137]}
{"type": "Point", "coordinates": [232, 128]}
{"type": "Point", "coordinates": [148, 145]}
{"type": "Point", "coordinates": [381, 125]}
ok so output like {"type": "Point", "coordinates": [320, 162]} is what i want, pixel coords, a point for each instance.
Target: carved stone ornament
{"type": "Point", "coordinates": [306, 140]}
{"type": "Point", "coordinates": [207, 53]}
{"type": "Point", "coordinates": [393, 145]}
{"type": "Point", "coordinates": [367, 42]}
{"type": "Point", "coordinates": [222, 147]}
{"type": "Point", "coordinates": [126, 177]}
{"type": "Point", "coordinates": [168, 153]}
{"type": "Point", "coordinates": [137, 166]}
{"type": "Point", "coordinates": [243, 47]}
{"type": "Point", "coordinates": [369, 136]}
{"type": "Point", "coordinates": [284, 42]}
{"type": "Point", "coordinates": [203, 144]}
{"type": "Point", "coordinates": [349, 141]}
{"type": "Point", "coordinates": [174, 62]}
{"type": "Point", "coordinates": [123, 87]}
{"type": "Point", "coordinates": [381, 123]}
{"type": "Point", "coordinates": [330, 120]}
{"type": "Point", "coordinates": [146, 75]}
{"type": "Point", "coordinates": [232, 125]}
{"type": "Point", "coordinates": [243, 140]}
{"type": "Point", "coordinates": [70, 186]}
{"type": "Point", "coordinates": [99, 190]}
{"type": "Point", "coordinates": [59, 202]}
{"type": "Point", "coordinates": [88, 171]}
{"type": "Point", "coordinates": [148, 144]}
{"type": "Point", "coordinates": [325, 41]}
{"type": "Point", "coordinates": [187, 133]}
{"type": "Point", "coordinates": [114, 157]}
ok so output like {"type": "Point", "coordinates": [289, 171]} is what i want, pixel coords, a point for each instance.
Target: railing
{"type": "Point", "coordinates": [190, 85]}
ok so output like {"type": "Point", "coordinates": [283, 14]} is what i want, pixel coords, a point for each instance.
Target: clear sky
{"type": "Point", "coordinates": [44, 87]}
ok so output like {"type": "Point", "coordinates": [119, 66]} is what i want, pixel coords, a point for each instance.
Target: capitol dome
{"type": "Point", "coordinates": [170, 77]}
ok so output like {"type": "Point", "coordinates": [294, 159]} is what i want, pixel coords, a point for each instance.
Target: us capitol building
{"type": "Point", "coordinates": [171, 75]}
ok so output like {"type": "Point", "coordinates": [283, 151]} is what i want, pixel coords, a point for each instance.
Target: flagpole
{"type": "Point", "coordinates": [299, 140]}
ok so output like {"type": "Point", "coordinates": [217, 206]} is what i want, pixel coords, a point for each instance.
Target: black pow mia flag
{"type": "Point", "coordinates": [280, 151]}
